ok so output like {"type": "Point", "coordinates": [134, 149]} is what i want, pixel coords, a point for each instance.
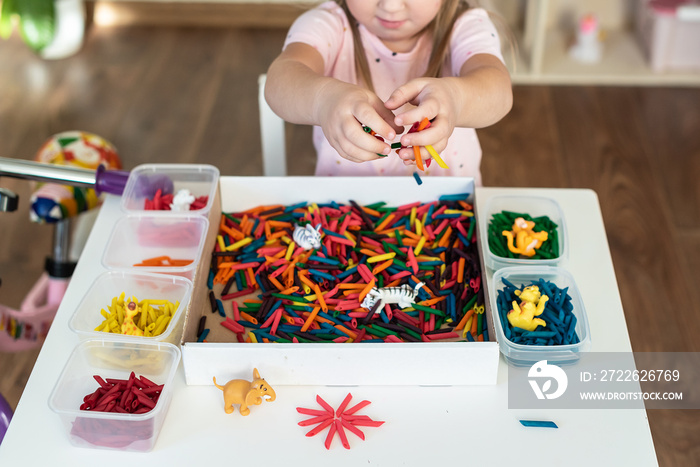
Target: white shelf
{"type": "Point", "coordinates": [544, 58]}
{"type": "Point", "coordinates": [622, 63]}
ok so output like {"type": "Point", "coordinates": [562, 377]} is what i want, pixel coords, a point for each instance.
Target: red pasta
{"type": "Point", "coordinates": [134, 395]}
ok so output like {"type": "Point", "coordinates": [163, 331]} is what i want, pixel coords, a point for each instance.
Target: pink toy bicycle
{"type": "Point", "coordinates": [73, 169]}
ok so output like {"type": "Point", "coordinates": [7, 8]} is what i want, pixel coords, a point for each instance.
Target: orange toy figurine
{"type": "Point", "coordinates": [246, 393]}
{"type": "Point", "coordinates": [523, 239]}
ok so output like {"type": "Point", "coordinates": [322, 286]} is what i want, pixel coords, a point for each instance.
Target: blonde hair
{"type": "Point", "coordinates": [440, 30]}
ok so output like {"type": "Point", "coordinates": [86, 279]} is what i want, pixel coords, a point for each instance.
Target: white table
{"type": "Point", "coordinates": [424, 425]}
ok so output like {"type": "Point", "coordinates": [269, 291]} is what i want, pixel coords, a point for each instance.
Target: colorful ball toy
{"type": "Point", "coordinates": [53, 202]}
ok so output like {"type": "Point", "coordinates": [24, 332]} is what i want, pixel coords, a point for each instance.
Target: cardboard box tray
{"type": "Point", "coordinates": [406, 363]}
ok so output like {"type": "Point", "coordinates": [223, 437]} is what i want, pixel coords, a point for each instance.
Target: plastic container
{"type": "Point", "coordinates": [535, 206]}
{"type": "Point", "coordinates": [143, 286]}
{"type": "Point", "coordinates": [144, 180]}
{"type": "Point", "coordinates": [669, 31]}
{"type": "Point", "coordinates": [520, 354]}
{"type": "Point", "coordinates": [136, 238]}
{"type": "Point", "coordinates": [114, 359]}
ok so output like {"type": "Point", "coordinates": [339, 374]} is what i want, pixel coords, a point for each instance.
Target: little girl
{"type": "Point", "coordinates": [387, 64]}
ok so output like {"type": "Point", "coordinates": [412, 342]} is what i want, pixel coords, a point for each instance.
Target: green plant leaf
{"type": "Point", "coordinates": [37, 22]}
{"type": "Point", "coordinates": [6, 13]}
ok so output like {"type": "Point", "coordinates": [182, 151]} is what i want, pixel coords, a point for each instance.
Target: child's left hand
{"type": "Point", "coordinates": [434, 99]}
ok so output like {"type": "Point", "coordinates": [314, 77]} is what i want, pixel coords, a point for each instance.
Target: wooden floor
{"type": "Point", "coordinates": [173, 94]}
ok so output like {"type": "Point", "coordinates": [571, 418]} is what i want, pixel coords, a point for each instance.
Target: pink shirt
{"type": "Point", "coordinates": [326, 28]}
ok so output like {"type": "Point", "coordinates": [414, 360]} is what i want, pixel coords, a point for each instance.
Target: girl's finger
{"type": "Point", "coordinates": [409, 158]}
{"type": "Point", "coordinates": [362, 147]}
{"type": "Point", "coordinates": [405, 154]}
{"type": "Point", "coordinates": [404, 94]}
{"type": "Point", "coordinates": [381, 120]}
{"type": "Point", "coordinates": [420, 138]}
{"type": "Point", "coordinates": [428, 108]}
{"type": "Point", "coordinates": [372, 143]}
{"type": "Point", "coordinates": [439, 130]}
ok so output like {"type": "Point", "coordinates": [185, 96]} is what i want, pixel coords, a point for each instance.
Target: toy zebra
{"type": "Point", "coordinates": [307, 237]}
{"type": "Point", "coordinates": [403, 296]}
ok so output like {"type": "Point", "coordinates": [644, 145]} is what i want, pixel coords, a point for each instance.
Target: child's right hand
{"type": "Point", "coordinates": [342, 109]}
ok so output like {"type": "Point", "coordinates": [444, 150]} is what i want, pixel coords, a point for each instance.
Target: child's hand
{"type": "Point", "coordinates": [432, 98]}
{"type": "Point", "coordinates": [340, 109]}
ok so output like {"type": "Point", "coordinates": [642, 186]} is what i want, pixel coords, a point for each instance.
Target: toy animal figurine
{"type": "Point", "coordinates": [523, 239]}
{"type": "Point", "coordinates": [532, 304]}
{"type": "Point", "coordinates": [403, 296]}
{"type": "Point", "coordinates": [182, 200]}
{"type": "Point", "coordinates": [246, 393]}
{"type": "Point", "coordinates": [128, 326]}
{"type": "Point", "coordinates": [307, 237]}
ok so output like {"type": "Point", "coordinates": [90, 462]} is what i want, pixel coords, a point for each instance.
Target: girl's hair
{"type": "Point", "coordinates": [440, 30]}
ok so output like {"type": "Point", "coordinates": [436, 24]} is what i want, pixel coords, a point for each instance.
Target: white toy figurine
{"type": "Point", "coordinates": [403, 296]}
{"type": "Point", "coordinates": [587, 48]}
{"type": "Point", "coordinates": [182, 200]}
{"type": "Point", "coordinates": [307, 237]}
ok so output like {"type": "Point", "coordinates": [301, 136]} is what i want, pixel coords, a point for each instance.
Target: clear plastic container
{"type": "Point", "coordinates": [138, 238]}
{"type": "Point", "coordinates": [114, 359]}
{"type": "Point", "coordinates": [144, 181]}
{"type": "Point", "coordinates": [521, 354]}
{"type": "Point", "coordinates": [535, 206]}
{"type": "Point", "coordinates": [142, 286]}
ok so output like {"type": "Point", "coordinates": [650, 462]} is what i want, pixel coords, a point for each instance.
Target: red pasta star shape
{"type": "Point", "coordinates": [337, 421]}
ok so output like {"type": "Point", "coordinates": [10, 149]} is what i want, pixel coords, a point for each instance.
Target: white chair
{"type": "Point", "coordinates": [274, 151]}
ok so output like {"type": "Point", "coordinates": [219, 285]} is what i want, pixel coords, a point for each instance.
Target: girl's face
{"type": "Point", "coordinates": [396, 22]}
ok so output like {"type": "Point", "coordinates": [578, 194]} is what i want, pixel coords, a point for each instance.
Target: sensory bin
{"type": "Point", "coordinates": [278, 291]}
{"type": "Point", "coordinates": [301, 311]}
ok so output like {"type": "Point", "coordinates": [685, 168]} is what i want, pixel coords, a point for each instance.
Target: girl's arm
{"type": "Point", "coordinates": [297, 90]}
{"type": "Point", "coordinates": [479, 97]}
